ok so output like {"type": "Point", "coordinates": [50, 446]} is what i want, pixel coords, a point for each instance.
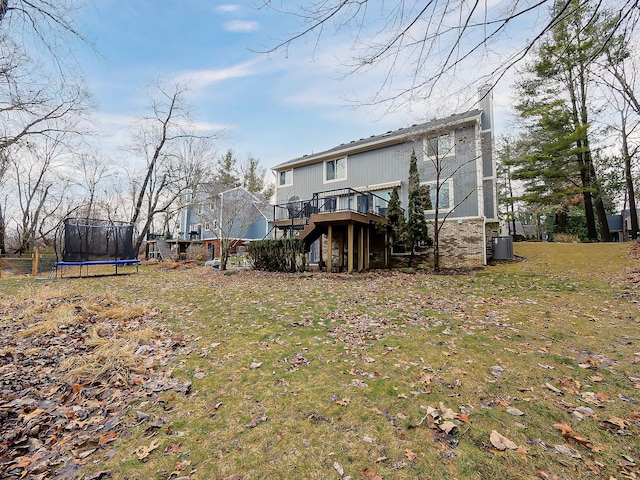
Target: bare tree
{"type": "Point", "coordinates": [419, 45]}
{"type": "Point", "coordinates": [622, 82]}
{"type": "Point", "coordinates": [40, 191]}
{"type": "Point", "coordinates": [35, 35]}
{"type": "Point", "coordinates": [159, 138]}
{"type": "Point", "coordinates": [43, 27]}
{"type": "Point", "coordinates": [232, 212]}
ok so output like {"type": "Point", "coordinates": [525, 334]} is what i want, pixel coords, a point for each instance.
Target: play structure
{"type": "Point", "coordinates": [82, 242]}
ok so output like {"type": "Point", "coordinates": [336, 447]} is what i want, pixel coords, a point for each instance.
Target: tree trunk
{"type": "Point", "coordinates": [605, 233]}
{"type": "Point", "coordinates": [2, 232]}
{"type": "Point", "coordinates": [592, 233]}
{"type": "Point", "coordinates": [629, 182]}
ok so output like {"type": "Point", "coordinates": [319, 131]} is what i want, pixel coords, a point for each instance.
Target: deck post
{"type": "Point", "coordinates": [361, 250]}
{"type": "Point", "coordinates": [350, 246]}
{"type": "Point", "coordinates": [386, 249]}
{"type": "Point", "coordinates": [329, 248]}
{"type": "Point", "coordinates": [367, 253]}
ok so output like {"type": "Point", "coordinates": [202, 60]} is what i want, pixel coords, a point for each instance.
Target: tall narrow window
{"type": "Point", "coordinates": [285, 178]}
{"type": "Point", "coordinates": [335, 170]}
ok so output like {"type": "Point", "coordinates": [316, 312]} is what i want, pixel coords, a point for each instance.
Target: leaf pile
{"type": "Point", "coordinates": [69, 367]}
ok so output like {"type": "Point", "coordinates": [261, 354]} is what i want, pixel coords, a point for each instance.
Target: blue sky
{"type": "Point", "coordinates": [275, 107]}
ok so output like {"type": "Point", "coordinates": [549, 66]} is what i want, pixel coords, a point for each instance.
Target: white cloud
{"type": "Point", "coordinates": [227, 8]}
{"type": "Point", "coordinates": [241, 26]}
{"type": "Point", "coordinates": [203, 78]}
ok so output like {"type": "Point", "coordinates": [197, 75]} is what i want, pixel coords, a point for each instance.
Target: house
{"type": "Point", "coordinates": [620, 226]}
{"type": "Point", "coordinates": [335, 198]}
{"type": "Point", "coordinates": [212, 216]}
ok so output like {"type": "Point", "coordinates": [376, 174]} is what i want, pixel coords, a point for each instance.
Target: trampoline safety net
{"type": "Point", "coordinates": [90, 239]}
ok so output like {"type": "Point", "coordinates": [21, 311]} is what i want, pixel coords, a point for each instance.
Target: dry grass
{"type": "Point", "coordinates": [293, 374]}
{"type": "Point", "coordinates": [61, 316]}
{"type": "Point", "coordinates": [112, 359]}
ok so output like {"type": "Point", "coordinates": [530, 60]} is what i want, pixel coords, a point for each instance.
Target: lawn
{"type": "Point", "coordinates": [526, 369]}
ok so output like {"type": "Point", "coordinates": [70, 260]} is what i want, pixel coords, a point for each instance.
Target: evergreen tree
{"type": "Point", "coordinates": [556, 102]}
{"type": "Point", "coordinates": [417, 231]}
{"type": "Point", "coordinates": [397, 227]}
{"type": "Point", "coordinates": [254, 178]}
{"type": "Point", "coordinates": [227, 175]}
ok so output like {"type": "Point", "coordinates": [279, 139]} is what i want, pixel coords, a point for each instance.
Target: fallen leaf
{"type": "Point", "coordinates": [553, 389]}
{"type": "Point", "coordinates": [107, 438]}
{"type": "Point", "coordinates": [463, 417]}
{"type": "Point", "coordinates": [514, 411]}
{"type": "Point", "coordinates": [447, 427]}
{"type": "Point", "coordinates": [256, 420]}
{"type": "Point", "coordinates": [344, 402]}
{"type": "Point", "coordinates": [567, 451]}
{"type": "Point", "coordinates": [28, 416]}
{"type": "Point", "coordinates": [501, 442]}
{"type": "Point", "coordinates": [549, 476]}
{"type": "Point", "coordinates": [180, 466]}
{"type": "Point", "coordinates": [595, 467]}
{"type": "Point", "coordinates": [173, 448]}
{"type": "Point", "coordinates": [370, 474]}
{"type": "Point", "coordinates": [569, 434]}
{"type": "Point", "coordinates": [143, 451]}
{"type": "Point", "coordinates": [338, 468]}
{"type": "Point", "coordinates": [410, 455]}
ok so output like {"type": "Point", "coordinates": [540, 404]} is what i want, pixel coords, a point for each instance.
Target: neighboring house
{"type": "Point", "coordinates": [620, 226]}
{"type": "Point", "coordinates": [523, 231]}
{"type": "Point", "coordinates": [213, 215]}
{"type": "Point", "coordinates": [337, 196]}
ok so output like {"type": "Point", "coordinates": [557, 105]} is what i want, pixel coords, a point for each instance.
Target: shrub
{"type": "Point", "coordinates": [279, 255]}
{"type": "Point", "coordinates": [197, 252]}
{"type": "Point", "coordinates": [566, 238]}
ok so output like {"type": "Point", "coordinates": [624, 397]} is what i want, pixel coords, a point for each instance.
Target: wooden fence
{"type": "Point", "coordinates": [30, 264]}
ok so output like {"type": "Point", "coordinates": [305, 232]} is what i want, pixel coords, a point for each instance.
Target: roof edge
{"type": "Point", "coordinates": [391, 137]}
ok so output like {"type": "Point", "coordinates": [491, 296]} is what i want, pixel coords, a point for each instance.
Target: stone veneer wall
{"type": "Point", "coordinates": [462, 243]}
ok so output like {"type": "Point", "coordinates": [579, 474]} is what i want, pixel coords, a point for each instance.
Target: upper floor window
{"type": "Point", "coordinates": [285, 178]}
{"type": "Point", "coordinates": [440, 146]}
{"type": "Point", "coordinates": [335, 170]}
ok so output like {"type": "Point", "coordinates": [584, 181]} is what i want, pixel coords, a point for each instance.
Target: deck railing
{"type": "Point", "coordinates": [330, 201]}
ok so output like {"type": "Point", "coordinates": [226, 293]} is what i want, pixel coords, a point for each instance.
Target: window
{"type": "Point", "coordinates": [335, 170]}
{"type": "Point", "coordinates": [440, 146]}
{"type": "Point", "coordinates": [446, 196]}
{"type": "Point", "coordinates": [207, 227]}
{"type": "Point", "coordinates": [285, 178]}
{"type": "Point", "coordinates": [200, 208]}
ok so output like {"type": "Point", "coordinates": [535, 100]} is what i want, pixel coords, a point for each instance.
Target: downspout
{"type": "Point", "coordinates": [484, 240]}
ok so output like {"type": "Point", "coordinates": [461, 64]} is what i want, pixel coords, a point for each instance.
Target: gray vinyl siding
{"type": "Point", "coordinates": [462, 170]}
{"type": "Point", "coordinates": [489, 207]}
{"type": "Point", "coordinates": [391, 164]}
{"type": "Point", "coordinates": [387, 164]}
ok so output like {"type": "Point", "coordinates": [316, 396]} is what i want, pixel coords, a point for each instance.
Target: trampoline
{"type": "Point", "coordinates": [83, 242]}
